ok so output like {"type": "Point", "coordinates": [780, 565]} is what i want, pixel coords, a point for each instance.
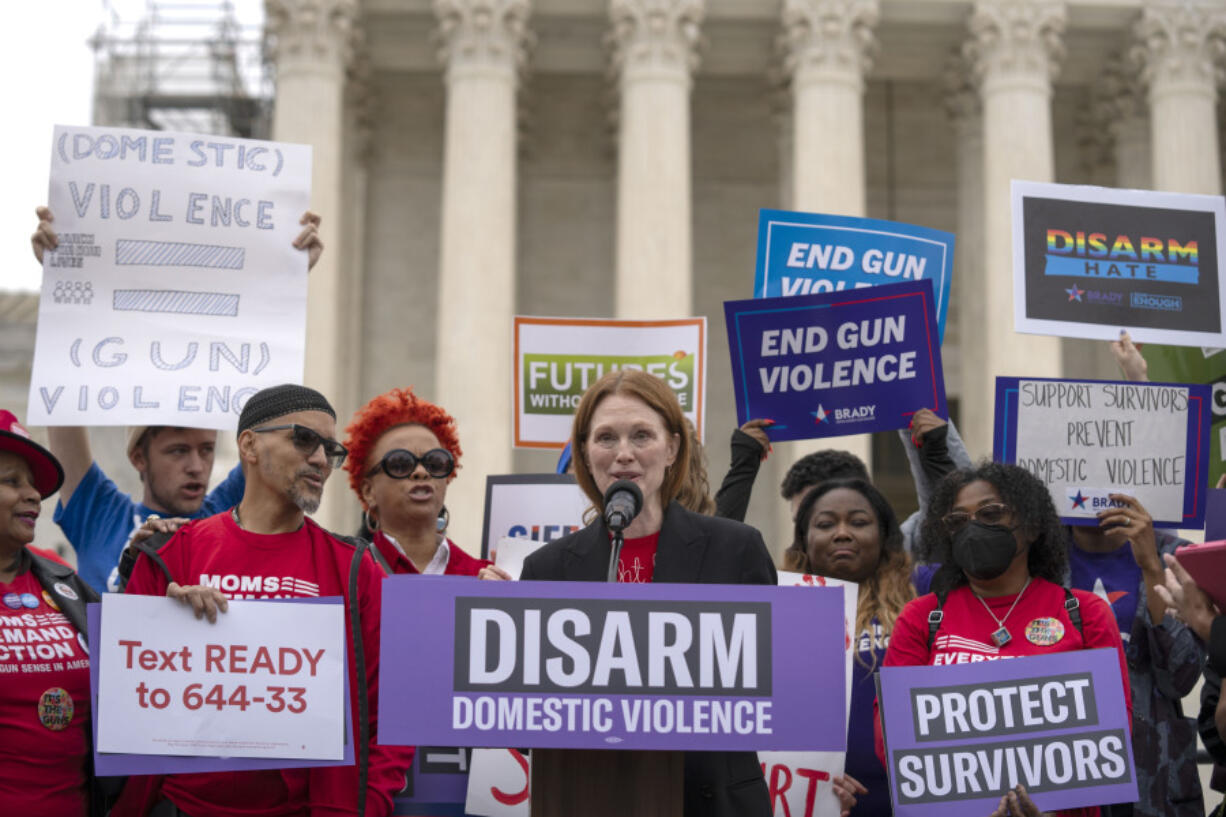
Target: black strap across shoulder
{"type": "Point", "coordinates": [1071, 606]}
{"type": "Point", "coordinates": [935, 618]}
{"type": "Point", "coordinates": [149, 547]}
{"type": "Point", "coordinates": [359, 661]}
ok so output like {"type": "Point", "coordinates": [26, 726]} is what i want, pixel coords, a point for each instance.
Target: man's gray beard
{"type": "Point", "coordinates": [305, 502]}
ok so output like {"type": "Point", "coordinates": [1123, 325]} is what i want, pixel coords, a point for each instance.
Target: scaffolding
{"type": "Point", "coordinates": [183, 65]}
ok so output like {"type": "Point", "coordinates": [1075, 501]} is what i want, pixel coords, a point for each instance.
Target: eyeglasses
{"type": "Point", "coordinates": [400, 464]}
{"type": "Point", "coordinates": [306, 440]}
{"type": "Point", "coordinates": [994, 514]}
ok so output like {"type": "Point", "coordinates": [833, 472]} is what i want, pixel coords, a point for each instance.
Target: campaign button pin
{"type": "Point", "coordinates": [1044, 631]}
{"type": "Point", "coordinates": [50, 601]}
{"type": "Point", "coordinates": [29, 600]}
{"type": "Point", "coordinates": [66, 591]}
{"type": "Point", "coordinates": [12, 600]}
{"type": "Point", "coordinates": [55, 709]}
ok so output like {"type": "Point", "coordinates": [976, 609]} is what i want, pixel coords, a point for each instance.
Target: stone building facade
{"type": "Point", "coordinates": [477, 159]}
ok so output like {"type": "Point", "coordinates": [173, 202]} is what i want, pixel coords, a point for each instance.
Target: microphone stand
{"type": "Point", "coordinates": [615, 556]}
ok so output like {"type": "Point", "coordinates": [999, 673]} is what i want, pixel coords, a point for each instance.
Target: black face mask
{"type": "Point", "coordinates": [984, 552]}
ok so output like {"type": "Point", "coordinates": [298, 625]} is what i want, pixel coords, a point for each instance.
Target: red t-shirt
{"type": "Point", "coordinates": [637, 562]}
{"type": "Point", "coordinates": [44, 705]}
{"type": "Point", "coordinates": [308, 562]}
{"type": "Point", "coordinates": [966, 631]}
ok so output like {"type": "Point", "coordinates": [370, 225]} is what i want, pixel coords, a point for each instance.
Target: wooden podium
{"type": "Point", "coordinates": [607, 783]}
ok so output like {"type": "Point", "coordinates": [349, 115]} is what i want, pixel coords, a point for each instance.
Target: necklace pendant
{"type": "Point", "coordinates": [1001, 637]}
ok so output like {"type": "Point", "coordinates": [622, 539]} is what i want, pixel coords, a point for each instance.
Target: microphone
{"type": "Point", "coordinates": [622, 502]}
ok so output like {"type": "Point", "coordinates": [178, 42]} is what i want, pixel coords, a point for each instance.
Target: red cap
{"type": "Point", "coordinates": [48, 474]}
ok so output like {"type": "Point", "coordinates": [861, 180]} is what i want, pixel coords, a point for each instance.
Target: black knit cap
{"type": "Point", "coordinates": [277, 401]}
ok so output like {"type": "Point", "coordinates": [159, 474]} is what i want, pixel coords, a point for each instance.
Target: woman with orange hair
{"type": "Point", "coordinates": [403, 452]}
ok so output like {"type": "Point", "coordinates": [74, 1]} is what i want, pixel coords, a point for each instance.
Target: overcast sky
{"type": "Point", "coordinates": [47, 70]}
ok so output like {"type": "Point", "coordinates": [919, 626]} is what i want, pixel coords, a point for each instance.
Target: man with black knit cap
{"type": "Point", "coordinates": [266, 547]}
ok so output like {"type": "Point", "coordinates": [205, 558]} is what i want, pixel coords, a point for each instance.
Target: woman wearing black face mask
{"type": "Point", "coordinates": [998, 538]}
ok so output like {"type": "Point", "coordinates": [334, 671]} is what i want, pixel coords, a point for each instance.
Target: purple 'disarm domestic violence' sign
{"type": "Point", "coordinates": [565, 665]}
{"type": "Point", "coordinates": [836, 363]}
{"type": "Point", "coordinates": [958, 737]}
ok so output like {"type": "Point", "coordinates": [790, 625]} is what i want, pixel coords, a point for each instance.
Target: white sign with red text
{"type": "Point", "coordinates": [498, 783]}
{"type": "Point", "coordinates": [265, 680]}
{"type": "Point", "coordinates": [800, 783]}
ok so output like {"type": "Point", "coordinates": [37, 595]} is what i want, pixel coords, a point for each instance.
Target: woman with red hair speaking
{"type": "Point", "coordinates": [403, 452]}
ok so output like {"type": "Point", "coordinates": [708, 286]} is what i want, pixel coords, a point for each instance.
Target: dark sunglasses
{"type": "Point", "coordinates": [307, 440]}
{"type": "Point", "coordinates": [400, 464]}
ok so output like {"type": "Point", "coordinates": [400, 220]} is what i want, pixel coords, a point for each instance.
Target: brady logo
{"type": "Point", "coordinates": [541, 533]}
{"type": "Point", "coordinates": [1089, 501]}
{"type": "Point", "coordinates": [1095, 296]}
{"type": "Point", "coordinates": [854, 415]}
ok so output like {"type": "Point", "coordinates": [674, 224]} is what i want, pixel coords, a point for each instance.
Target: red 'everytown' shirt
{"type": "Point", "coordinates": [44, 705]}
{"type": "Point", "coordinates": [1039, 625]}
{"type": "Point", "coordinates": [307, 562]}
{"type": "Point", "coordinates": [637, 563]}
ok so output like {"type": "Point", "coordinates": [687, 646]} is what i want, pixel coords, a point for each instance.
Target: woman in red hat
{"type": "Point", "coordinates": [44, 698]}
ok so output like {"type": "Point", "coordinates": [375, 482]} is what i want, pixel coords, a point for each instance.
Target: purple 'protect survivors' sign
{"type": "Point", "coordinates": [958, 737]}
{"type": "Point", "coordinates": [836, 363]}
{"type": "Point", "coordinates": [564, 665]}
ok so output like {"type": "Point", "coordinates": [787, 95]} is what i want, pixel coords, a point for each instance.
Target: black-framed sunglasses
{"type": "Point", "coordinates": [306, 440]}
{"type": "Point", "coordinates": [997, 513]}
{"type": "Point", "coordinates": [400, 464]}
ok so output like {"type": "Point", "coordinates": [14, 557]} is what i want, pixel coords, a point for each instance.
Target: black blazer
{"type": "Point", "coordinates": [693, 549]}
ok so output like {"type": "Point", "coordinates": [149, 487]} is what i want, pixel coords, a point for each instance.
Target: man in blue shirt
{"type": "Point", "coordinates": [174, 466]}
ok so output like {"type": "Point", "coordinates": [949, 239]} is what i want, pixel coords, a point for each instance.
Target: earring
{"type": "Point", "coordinates": [444, 518]}
{"type": "Point", "coordinates": [372, 524]}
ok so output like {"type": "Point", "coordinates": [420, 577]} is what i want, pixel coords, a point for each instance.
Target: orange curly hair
{"type": "Point", "coordinates": [397, 407]}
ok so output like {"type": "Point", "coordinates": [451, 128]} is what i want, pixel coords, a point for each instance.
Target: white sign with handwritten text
{"type": "Point", "coordinates": [174, 293]}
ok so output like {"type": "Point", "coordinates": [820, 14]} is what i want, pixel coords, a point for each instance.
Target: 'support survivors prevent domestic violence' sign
{"type": "Point", "coordinates": [175, 293]}
{"type": "Point", "coordinates": [1090, 261]}
{"type": "Point", "coordinates": [1087, 439]}
{"type": "Point", "coordinates": [810, 253]}
{"type": "Point", "coordinates": [839, 363]}
{"type": "Point", "coordinates": [613, 666]}
{"type": "Point", "coordinates": [556, 359]}
{"type": "Point", "coordinates": [957, 737]}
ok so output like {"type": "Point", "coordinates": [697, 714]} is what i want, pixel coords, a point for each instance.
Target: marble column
{"type": "Point", "coordinates": [360, 109]}
{"type": "Point", "coordinates": [311, 46]}
{"type": "Point", "coordinates": [483, 48]}
{"type": "Point", "coordinates": [1180, 50]}
{"type": "Point", "coordinates": [1014, 50]}
{"type": "Point", "coordinates": [1122, 111]}
{"type": "Point", "coordinates": [655, 52]}
{"type": "Point", "coordinates": [828, 48]}
{"type": "Point", "coordinates": [966, 116]}
{"type": "Point", "coordinates": [827, 52]}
